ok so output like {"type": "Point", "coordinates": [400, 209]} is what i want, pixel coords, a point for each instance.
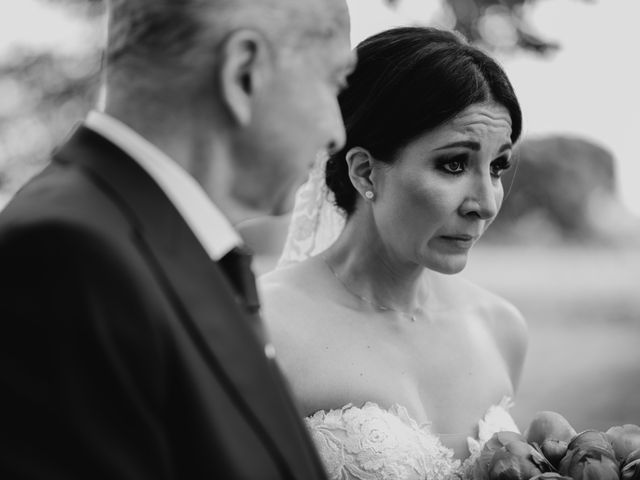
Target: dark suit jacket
{"type": "Point", "coordinates": [123, 351]}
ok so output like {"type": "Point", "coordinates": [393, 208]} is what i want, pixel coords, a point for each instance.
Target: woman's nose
{"type": "Point", "coordinates": [482, 201]}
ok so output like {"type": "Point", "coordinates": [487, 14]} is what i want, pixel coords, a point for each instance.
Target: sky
{"type": "Point", "coordinates": [590, 87]}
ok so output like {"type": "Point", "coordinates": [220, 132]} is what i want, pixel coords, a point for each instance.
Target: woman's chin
{"type": "Point", "coordinates": [448, 264]}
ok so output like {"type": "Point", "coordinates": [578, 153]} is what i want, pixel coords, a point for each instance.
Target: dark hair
{"type": "Point", "coordinates": [410, 80]}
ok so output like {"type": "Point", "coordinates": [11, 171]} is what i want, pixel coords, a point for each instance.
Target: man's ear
{"type": "Point", "coordinates": [245, 63]}
{"type": "Point", "coordinates": [360, 165]}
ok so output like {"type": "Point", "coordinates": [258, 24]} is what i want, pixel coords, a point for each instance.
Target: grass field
{"type": "Point", "coordinates": [583, 310]}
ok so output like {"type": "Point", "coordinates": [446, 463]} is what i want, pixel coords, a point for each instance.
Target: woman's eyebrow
{"type": "Point", "coordinates": [470, 144]}
{"type": "Point", "coordinates": [473, 145]}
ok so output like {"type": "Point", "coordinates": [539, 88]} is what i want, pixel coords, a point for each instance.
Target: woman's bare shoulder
{"type": "Point", "coordinates": [501, 318]}
{"type": "Point", "coordinates": [288, 296]}
{"type": "Point", "coordinates": [289, 276]}
{"type": "Point", "coordinates": [456, 288]}
{"type": "Point", "coordinates": [295, 310]}
{"type": "Point", "coordinates": [295, 282]}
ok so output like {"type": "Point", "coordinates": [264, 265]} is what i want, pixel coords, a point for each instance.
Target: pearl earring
{"type": "Point", "coordinates": [368, 195]}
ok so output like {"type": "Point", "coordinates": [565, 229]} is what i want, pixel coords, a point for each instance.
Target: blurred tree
{"type": "Point", "coordinates": [562, 189]}
{"type": "Point", "coordinates": [496, 23]}
{"type": "Point", "coordinates": [44, 90]}
{"type": "Point", "coordinates": [90, 7]}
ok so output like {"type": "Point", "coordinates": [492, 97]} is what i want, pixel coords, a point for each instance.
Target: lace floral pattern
{"type": "Point", "coordinates": [315, 222]}
{"type": "Point", "coordinates": [371, 443]}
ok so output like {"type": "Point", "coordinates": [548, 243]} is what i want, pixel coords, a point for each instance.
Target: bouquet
{"type": "Point", "coordinates": [551, 449]}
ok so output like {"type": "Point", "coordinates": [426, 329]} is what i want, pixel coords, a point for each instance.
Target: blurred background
{"type": "Point", "coordinates": [566, 246]}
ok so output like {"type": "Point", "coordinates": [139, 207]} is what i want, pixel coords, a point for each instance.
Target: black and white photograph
{"type": "Point", "coordinates": [319, 240]}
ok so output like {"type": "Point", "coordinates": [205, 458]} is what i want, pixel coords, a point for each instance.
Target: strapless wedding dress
{"type": "Point", "coordinates": [373, 443]}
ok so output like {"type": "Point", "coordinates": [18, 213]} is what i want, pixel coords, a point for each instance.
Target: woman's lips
{"type": "Point", "coordinates": [462, 240]}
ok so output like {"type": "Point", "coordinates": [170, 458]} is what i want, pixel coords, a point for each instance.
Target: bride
{"type": "Point", "coordinates": [402, 369]}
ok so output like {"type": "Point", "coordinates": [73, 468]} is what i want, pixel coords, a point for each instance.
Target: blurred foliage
{"type": "Point", "coordinates": [86, 7]}
{"type": "Point", "coordinates": [497, 23]}
{"type": "Point", "coordinates": [560, 185]}
{"type": "Point", "coordinates": [563, 188]}
{"type": "Point", "coordinates": [43, 92]}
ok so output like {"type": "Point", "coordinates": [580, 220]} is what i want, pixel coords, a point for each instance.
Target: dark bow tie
{"type": "Point", "coordinates": [237, 267]}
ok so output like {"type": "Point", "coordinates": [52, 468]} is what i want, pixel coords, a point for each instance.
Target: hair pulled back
{"type": "Point", "coordinates": [408, 81]}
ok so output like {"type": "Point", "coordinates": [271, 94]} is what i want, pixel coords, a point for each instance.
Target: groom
{"type": "Point", "coordinates": [130, 341]}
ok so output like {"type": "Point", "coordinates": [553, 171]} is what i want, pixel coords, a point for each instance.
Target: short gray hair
{"type": "Point", "coordinates": [172, 37]}
{"type": "Point", "coordinates": [163, 34]}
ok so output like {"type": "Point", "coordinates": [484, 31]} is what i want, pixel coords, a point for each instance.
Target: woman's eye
{"type": "Point", "coordinates": [499, 166]}
{"type": "Point", "coordinates": [453, 166]}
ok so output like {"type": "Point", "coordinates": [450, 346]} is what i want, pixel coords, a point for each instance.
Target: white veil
{"type": "Point", "coordinates": [315, 222]}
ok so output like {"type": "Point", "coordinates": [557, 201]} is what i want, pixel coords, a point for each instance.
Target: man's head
{"type": "Point", "coordinates": [255, 81]}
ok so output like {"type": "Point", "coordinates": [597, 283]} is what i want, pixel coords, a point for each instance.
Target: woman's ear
{"type": "Point", "coordinates": [360, 166]}
{"type": "Point", "coordinates": [244, 66]}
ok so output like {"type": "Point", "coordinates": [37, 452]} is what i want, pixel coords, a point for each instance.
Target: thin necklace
{"type": "Point", "coordinates": [375, 305]}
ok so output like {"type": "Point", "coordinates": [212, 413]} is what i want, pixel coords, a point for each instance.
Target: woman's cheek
{"type": "Point", "coordinates": [500, 197]}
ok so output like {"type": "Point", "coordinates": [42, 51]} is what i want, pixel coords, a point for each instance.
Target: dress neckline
{"type": "Point", "coordinates": [377, 442]}
{"type": "Point", "coordinates": [496, 418]}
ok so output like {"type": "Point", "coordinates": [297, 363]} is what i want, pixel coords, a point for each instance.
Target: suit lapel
{"type": "Point", "coordinates": [201, 294]}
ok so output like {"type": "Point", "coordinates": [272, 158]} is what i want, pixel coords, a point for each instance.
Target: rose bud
{"type": "Point", "coordinates": [517, 460]}
{"type": "Point", "coordinates": [530, 453]}
{"type": "Point", "coordinates": [550, 476]}
{"type": "Point", "coordinates": [630, 466]}
{"type": "Point", "coordinates": [495, 443]}
{"type": "Point", "coordinates": [590, 457]}
{"type": "Point", "coordinates": [592, 438]}
{"type": "Point", "coordinates": [554, 450]}
{"type": "Point", "coordinates": [625, 439]}
{"type": "Point", "coordinates": [583, 466]}
{"type": "Point", "coordinates": [509, 466]}
{"type": "Point", "coordinates": [548, 425]}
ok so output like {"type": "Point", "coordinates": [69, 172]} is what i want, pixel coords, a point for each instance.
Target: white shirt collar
{"type": "Point", "coordinates": [207, 222]}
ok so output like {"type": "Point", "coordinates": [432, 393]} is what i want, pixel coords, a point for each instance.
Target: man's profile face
{"type": "Point", "coordinates": [298, 114]}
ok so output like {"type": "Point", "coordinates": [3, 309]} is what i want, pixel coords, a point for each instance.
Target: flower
{"type": "Point", "coordinates": [550, 476]}
{"type": "Point", "coordinates": [630, 466]}
{"type": "Point", "coordinates": [548, 425]}
{"type": "Point", "coordinates": [592, 439]}
{"type": "Point", "coordinates": [550, 449]}
{"type": "Point", "coordinates": [552, 433]}
{"type": "Point", "coordinates": [624, 439]}
{"type": "Point", "coordinates": [554, 450]}
{"type": "Point", "coordinates": [523, 459]}
{"type": "Point", "coordinates": [508, 466]}
{"type": "Point", "coordinates": [506, 456]}
{"type": "Point", "coordinates": [590, 456]}
{"type": "Point", "coordinates": [497, 442]}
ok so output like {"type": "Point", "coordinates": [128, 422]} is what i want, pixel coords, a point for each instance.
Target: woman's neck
{"type": "Point", "coordinates": [372, 271]}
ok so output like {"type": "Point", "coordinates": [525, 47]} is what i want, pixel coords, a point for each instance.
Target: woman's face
{"type": "Point", "coordinates": [444, 189]}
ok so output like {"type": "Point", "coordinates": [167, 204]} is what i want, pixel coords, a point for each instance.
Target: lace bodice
{"type": "Point", "coordinates": [373, 443]}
